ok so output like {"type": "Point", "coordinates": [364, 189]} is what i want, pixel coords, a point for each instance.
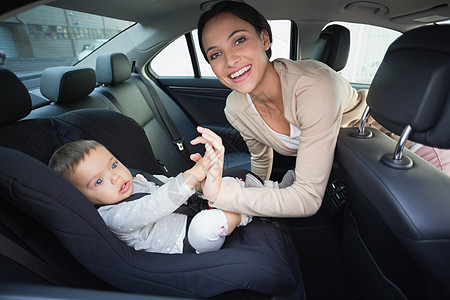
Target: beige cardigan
{"type": "Point", "coordinates": [318, 101]}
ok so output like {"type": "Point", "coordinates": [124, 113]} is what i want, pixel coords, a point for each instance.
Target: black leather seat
{"type": "Point", "coordinates": [332, 47]}
{"type": "Point", "coordinates": [397, 218]}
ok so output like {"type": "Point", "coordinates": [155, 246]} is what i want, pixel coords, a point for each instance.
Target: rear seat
{"type": "Point", "coordinates": [69, 88]}
{"type": "Point", "coordinates": [114, 75]}
{"type": "Point", "coordinates": [118, 83]}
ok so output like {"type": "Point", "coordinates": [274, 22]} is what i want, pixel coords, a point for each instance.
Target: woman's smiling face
{"type": "Point", "coordinates": [236, 51]}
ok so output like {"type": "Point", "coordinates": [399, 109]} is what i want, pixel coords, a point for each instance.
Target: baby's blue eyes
{"type": "Point", "coordinates": [100, 180]}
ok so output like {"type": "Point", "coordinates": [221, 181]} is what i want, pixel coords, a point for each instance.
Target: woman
{"type": "Point", "coordinates": [294, 108]}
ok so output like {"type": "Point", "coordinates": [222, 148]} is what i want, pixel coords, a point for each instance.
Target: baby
{"type": "Point", "coordinates": [149, 222]}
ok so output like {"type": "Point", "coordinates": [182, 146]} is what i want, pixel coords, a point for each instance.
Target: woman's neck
{"type": "Point", "coordinates": [268, 100]}
{"type": "Point", "coordinates": [269, 89]}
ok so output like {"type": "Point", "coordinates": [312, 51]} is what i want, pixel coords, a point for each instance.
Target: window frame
{"type": "Point", "coordinates": [195, 57]}
{"type": "Point", "coordinates": [370, 46]}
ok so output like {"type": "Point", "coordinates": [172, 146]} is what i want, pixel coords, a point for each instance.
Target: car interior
{"type": "Point", "coordinates": [381, 232]}
{"type": "Point", "coordinates": [395, 217]}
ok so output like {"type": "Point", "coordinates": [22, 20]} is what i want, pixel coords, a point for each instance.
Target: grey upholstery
{"type": "Point", "coordinates": [397, 217]}
{"type": "Point", "coordinates": [16, 101]}
{"type": "Point", "coordinates": [113, 73]}
{"type": "Point", "coordinates": [332, 47]}
{"type": "Point", "coordinates": [134, 98]}
{"type": "Point", "coordinates": [112, 68]}
{"type": "Point", "coordinates": [66, 84]}
{"type": "Point", "coordinates": [69, 88]}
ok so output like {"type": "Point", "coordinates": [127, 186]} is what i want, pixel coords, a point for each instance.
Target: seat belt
{"type": "Point", "coordinates": [16, 253]}
{"type": "Point", "coordinates": [161, 112]}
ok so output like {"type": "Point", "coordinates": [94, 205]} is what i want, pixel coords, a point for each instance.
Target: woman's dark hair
{"type": "Point", "coordinates": [239, 9]}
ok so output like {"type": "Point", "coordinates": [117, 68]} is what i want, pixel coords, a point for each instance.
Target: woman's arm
{"type": "Point", "coordinates": [303, 198]}
{"type": "Point", "coordinates": [319, 103]}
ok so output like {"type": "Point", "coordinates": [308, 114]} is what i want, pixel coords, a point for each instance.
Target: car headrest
{"type": "Point", "coordinates": [112, 68]}
{"type": "Point", "coordinates": [66, 84]}
{"type": "Point", "coordinates": [332, 46]}
{"type": "Point", "coordinates": [15, 102]}
{"type": "Point", "coordinates": [411, 86]}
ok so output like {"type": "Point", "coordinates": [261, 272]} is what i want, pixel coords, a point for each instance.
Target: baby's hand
{"type": "Point", "coordinates": [198, 172]}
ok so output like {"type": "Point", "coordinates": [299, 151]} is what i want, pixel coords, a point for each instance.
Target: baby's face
{"type": "Point", "coordinates": [102, 178]}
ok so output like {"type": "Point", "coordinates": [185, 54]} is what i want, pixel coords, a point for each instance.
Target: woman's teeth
{"type": "Point", "coordinates": [240, 72]}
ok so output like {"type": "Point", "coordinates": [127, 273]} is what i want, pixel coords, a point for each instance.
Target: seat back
{"type": "Point", "coordinates": [16, 102]}
{"type": "Point", "coordinates": [69, 88]}
{"type": "Point", "coordinates": [135, 97]}
{"type": "Point", "coordinates": [332, 47]}
{"type": "Point", "coordinates": [397, 215]}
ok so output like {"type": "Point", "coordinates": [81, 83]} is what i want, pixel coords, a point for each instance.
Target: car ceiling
{"type": "Point", "coordinates": [396, 14]}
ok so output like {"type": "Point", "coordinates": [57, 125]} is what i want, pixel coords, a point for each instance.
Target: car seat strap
{"type": "Point", "coordinates": [18, 254]}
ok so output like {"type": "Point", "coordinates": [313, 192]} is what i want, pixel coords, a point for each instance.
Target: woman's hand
{"type": "Point", "coordinates": [211, 185]}
{"type": "Point", "coordinates": [210, 164]}
{"type": "Point", "coordinates": [209, 136]}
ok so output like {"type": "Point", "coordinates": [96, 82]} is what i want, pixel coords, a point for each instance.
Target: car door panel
{"type": "Point", "coordinates": [203, 100]}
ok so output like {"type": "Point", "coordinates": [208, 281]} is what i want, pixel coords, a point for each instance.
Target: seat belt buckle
{"type": "Point", "coordinates": [179, 143]}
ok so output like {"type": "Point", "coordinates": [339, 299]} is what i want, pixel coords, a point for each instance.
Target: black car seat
{"type": "Point", "coordinates": [258, 260]}
{"type": "Point", "coordinates": [332, 47]}
{"type": "Point", "coordinates": [397, 218]}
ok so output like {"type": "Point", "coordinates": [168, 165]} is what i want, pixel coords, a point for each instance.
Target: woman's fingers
{"type": "Point", "coordinates": [206, 132]}
{"type": "Point", "coordinates": [195, 157]}
{"type": "Point", "coordinates": [210, 153]}
{"type": "Point", "coordinates": [208, 136]}
{"type": "Point", "coordinates": [199, 140]}
{"type": "Point", "coordinates": [216, 144]}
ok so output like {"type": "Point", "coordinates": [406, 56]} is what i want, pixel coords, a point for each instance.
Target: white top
{"type": "Point", "coordinates": [292, 141]}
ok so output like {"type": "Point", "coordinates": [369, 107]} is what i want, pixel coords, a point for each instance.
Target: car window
{"type": "Point", "coordinates": [174, 60]}
{"type": "Point", "coordinates": [47, 36]}
{"type": "Point", "coordinates": [368, 44]}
